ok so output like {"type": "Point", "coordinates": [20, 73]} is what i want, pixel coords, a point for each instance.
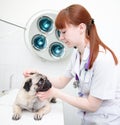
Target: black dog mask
{"type": "Point", "coordinates": [43, 85]}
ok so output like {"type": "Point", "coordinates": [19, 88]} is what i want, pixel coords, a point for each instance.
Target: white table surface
{"type": "Point", "coordinates": [54, 117]}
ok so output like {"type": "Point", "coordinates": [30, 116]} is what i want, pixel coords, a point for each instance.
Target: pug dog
{"type": "Point", "coordinates": [26, 98]}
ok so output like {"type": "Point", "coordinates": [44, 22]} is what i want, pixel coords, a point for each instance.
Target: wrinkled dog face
{"type": "Point", "coordinates": [36, 83]}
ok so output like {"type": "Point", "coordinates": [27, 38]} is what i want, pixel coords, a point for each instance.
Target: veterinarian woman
{"type": "Point", "coordinates": [94, 67]}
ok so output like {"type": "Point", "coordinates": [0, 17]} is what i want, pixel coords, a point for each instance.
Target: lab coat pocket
{"type": "Point", "coordinates": [110, 119]}
{"type": "Point", "coordinates": [85, 81]}
{"type": "Point", "coordinates": [102, 119]}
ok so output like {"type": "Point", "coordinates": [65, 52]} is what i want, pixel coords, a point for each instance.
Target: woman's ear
{"type": "Point", "coordinates": [82, 27]}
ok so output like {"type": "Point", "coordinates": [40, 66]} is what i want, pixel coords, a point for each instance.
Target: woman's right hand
{"type": "Point", "coordinates": [27, 73]}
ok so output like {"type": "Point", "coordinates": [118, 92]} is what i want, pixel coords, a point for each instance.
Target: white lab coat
{"type": "Point", "coordinates": [101, 82]}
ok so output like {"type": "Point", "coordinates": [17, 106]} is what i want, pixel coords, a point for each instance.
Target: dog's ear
{"type": "Point", "coordinates": [27, 85]}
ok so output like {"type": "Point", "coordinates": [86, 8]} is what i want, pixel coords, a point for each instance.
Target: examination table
{"type": "Point", "coordinates": [55, 117]}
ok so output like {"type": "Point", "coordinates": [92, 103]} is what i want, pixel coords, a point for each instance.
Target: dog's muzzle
{"type": "Point", "coordinates": [43, 85]}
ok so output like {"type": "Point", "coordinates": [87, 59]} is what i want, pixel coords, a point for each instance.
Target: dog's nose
{"type": "Point", "coordinates": [44, 85]}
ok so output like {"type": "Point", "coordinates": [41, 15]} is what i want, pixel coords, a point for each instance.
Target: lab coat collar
{"type": "Point", "coordinates": [86, 53]}
{"type": "Point", "coordinates": [77, 63]}
{"type": "Point", "coordinates": [78, 66]}
{"type": "Point", "coordinates": [85, 57]}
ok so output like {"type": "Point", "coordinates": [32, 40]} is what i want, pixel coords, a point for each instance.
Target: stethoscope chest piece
{"type": "Point", "coordinates": [76, 84]}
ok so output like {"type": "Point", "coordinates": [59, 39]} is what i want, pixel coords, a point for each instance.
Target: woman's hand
{"type": "Point", "coordinates": [48, 94]}
{"type": "Point", "coordinates": [27, 73]}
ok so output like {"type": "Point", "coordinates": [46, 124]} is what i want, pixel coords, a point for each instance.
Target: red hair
{"type": "Point", "coordinates": [76, 14]}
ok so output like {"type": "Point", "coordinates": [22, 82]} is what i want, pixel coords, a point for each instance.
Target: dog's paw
{"type": "Point", "coordinates": [38, 116]}
{"type": "Point", "coordinates": [53, 100]}
{"type": "Point", "coordinates": [16, 116]}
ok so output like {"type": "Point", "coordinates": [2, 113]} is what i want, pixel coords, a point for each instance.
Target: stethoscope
{"type": "Point", "coordinates": [76, 83]}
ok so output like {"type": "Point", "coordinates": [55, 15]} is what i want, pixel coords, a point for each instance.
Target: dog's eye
{"type": "Point", "coordinates": [41, 81]}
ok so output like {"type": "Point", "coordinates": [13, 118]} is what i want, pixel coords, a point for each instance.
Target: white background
{"type": "Point", "coordinates": [15, 56]}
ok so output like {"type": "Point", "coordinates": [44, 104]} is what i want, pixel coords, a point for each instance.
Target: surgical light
{"type": "Point", "coordinates": [45, 24]}
{"type": "Point", "coordinates": [42, 37]}
{"type": "Point", "coordinates": [57, 50]}
{"type": "Point", "coordinates": [57, 32]}
{"type": "Point", "coordinates": [39, 42]}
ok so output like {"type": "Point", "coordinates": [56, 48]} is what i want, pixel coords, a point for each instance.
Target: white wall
{"type": "Point", "coordinates": [14, 55]}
